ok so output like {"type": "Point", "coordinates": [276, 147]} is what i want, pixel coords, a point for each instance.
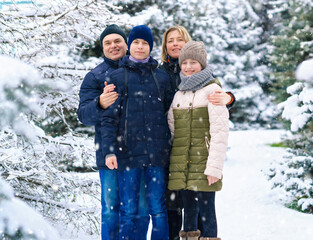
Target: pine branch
{"type": "Point", "coordinates": [68, 207]}
{"type": "Point", "coordinates": [64, 67]}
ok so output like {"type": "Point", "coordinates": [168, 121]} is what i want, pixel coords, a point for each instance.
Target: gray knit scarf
{"type": "Point", "coordinates": [196, 81]}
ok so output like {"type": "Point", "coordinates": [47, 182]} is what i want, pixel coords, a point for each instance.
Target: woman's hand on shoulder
{"type": "Point", "coordinates": [219, 97]}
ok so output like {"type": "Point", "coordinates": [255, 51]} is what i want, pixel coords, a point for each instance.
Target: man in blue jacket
{"type": "Point", "coordinates": [95, 97]}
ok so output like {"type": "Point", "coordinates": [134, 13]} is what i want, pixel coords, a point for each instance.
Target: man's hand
{"type": "Point", "coordinates": [219, 98]}
{"type": "Point", "coordinates": [108, 97]}
{"type": "Point", "coordinates": [111, 162]}
{"type": "Point", "coordinates": [212, 180]}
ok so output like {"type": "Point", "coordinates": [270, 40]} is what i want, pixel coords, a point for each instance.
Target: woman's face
{"type": "Point", "coordinates": [174, 43]}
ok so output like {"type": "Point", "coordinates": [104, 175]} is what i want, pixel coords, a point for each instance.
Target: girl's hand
{"type": "Point", "coordinates": [219, 98]}
{"type": "Point", "coordinates": [212, 179]}
{"type": "Point", "coordinates": [111, 162]}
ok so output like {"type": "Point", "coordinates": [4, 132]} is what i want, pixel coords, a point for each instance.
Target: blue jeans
{"type": "Point", "coordinates": [110, 203]}
{"type": "Point", "coordinates": [203, 204]}
{"type": "Point", "coordinates": [129, 185]}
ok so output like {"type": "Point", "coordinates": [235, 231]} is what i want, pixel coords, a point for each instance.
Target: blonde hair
{"type": "Point", "coordinates": [183, 32]}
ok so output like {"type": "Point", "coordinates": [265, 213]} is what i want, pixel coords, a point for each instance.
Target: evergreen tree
{"type": "Point", "coordinates": [35, 164]}
{"type": "Point", "coordinates": [40, 137]}
{"type": "Point", "coordinates": [15, 224]}
{"type": "Point", "coordinates": [294, 173]}
{"type": "Point", "coordinates": [290, 45]}
{"type": "Point", "coordinates": [51, 37]}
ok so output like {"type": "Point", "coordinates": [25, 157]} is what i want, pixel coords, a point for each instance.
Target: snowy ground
{"type": "Point", "coordinates": [247, 208]}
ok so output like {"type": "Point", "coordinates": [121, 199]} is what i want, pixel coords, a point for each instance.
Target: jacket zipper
{"type": "Point", "coordinates": [207, 143]}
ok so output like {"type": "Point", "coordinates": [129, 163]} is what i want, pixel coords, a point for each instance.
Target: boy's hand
{"type": "Point", "coordinates": [219, 98]}
{"type": "Point", "coordinates": [108, 97]}
{"type": "Point", "coordinates": [111, 162]}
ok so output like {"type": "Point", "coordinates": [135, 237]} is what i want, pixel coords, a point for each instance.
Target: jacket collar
{"type": "Point", "coordinates": [142, 67]}
{"type": "Point", "coordinates": [112, 63]}
{"type": "Point", "coordinates": [172, 64]}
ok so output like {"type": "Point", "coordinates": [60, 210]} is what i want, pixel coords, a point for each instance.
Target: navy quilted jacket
{"type": "Point", "coordinates": [135, 127]}
{"type": "Point", "coordinates": [89, 110]}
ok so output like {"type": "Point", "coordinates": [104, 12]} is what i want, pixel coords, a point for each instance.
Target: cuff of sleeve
{"type": "Point", "coordinates": [98, 106]}
{"type": "Point", "coordinates": [214, 172]}
{"type": "Point", "coordinates": [109, 155]}
{"type": "Point", "coordinates": [232, 100]}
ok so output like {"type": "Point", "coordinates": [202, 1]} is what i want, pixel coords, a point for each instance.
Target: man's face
{"type": "Point", "coordinates": [114, 46]}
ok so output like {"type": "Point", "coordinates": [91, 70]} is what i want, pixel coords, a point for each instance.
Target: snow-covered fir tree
{"type": "Point", "coordinates": [291, 49]}
{"type": "Point", "coordinates": [51, 35]}
{"type": "Point", "coordinates": [34, 163]}
{"type": "Point", "coordinates": [18, 101]}
{"type": "Point", "coordinates": [291, 43]}
{"type": "Point", "coordinates": [294, 173]}
{"type": "Point", "coordinates": [41, 141]}
{"type": "Point", "coordinates": [19, 221]}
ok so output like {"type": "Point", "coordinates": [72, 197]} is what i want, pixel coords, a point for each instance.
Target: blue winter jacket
{"type": "Point", "coordinates": [135, 127]}
{"type": "Point", "coordinates": [89, 110]}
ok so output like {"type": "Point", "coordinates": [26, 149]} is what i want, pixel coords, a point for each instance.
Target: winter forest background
{"type": "Point", "coordinates": [261, 50]}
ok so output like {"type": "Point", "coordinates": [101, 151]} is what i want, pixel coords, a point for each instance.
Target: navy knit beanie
{"type": "Point", "coordinates": [142, 32]}
{"type": "Point", "coordinates": [110, 30]}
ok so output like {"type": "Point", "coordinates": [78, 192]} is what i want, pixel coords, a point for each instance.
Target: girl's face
{"type": "Point", "coordinates": [139, 49]}
{"type": "Point", "coordinates": [190, 67]}
{"type": "Point", "coordinates": [174, 43]}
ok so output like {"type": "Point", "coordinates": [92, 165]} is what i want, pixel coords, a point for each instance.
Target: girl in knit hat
{"type": "Point", "coordinates": [136, 136]}
{"type": "Point", "coordinates": [174, 38]}
{"type": "Point", "coordinates": [200, 133]}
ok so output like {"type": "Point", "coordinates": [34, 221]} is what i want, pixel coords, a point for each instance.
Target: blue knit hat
{"type": "Point", "coordinates": [142, 32]}
{"type": "Point", "coordinates": [110, 30]}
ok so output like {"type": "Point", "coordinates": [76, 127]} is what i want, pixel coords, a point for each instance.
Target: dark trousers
{"type": "Point", "coordinates": [174, 206]}
{"type": "Point", "coordinates": [199, 204]}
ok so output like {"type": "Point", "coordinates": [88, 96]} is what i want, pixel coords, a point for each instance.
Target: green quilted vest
{"type": "Point", "coordinates": [189, 151]}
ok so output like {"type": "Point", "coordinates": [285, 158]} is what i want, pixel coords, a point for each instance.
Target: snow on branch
{"type": "Point", "coordinates": [298, 108]}
{"type": "Point", "coordinates": [18, 219]}
{"type": "Point", "coordinates": [38, 173]}
{"type": "Point", "coordinates": [32, 31]}
{"type": "Point", "coordinates": [251, 12]}
{"type": "Point", "coordinates": [37, 165]}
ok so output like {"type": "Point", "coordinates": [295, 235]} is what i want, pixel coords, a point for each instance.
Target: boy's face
{"type": "Point", "coordinates": [139, 49]}
{"type": "Point", "coordinates": [190, 67]}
